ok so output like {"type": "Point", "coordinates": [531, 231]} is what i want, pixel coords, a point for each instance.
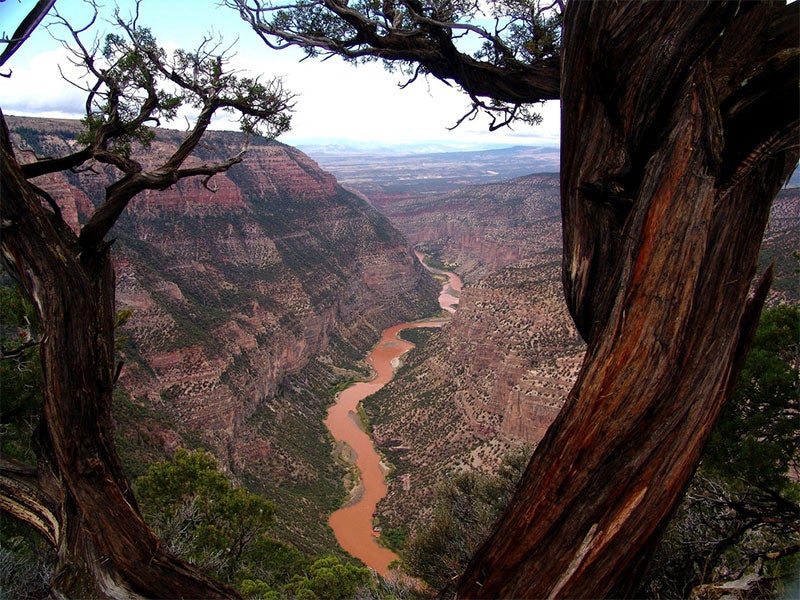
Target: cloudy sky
{"type": "Point", "coordinates": [335, 100]}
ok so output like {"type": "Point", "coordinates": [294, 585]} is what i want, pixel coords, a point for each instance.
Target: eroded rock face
{"type": "Point", "coordinates": [781, 241]}
{"type": "Point", "coordinates": [497, 375]}
{"type": "Point", "coordinates": [491, 380]}
{"type": "Point", "coordinates": [242, 300]}
{"type": "Point", "coordinates": [483, 228]}
{"type": "Point", "coordinates": [285, 260]}
{"type": "Point", "coordinates": [519, 349]}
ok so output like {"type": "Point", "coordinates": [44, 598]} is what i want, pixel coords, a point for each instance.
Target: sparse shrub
{"type": "Point", "coordinates": [465, 511]}
{"type": "Point", "coordinates": [26, 562]}
{"type": "Point", "coordinates": [326, 578]}
{"type": "Point", "coordinates": [200, 516]}
{"type": "Point", "coordinates": [20, 372]}
{"type": "Point", "coordinates": [740, 518]}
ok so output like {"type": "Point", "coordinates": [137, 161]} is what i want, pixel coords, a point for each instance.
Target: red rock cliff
{"type": "Point", "coordinates": [242, 300]}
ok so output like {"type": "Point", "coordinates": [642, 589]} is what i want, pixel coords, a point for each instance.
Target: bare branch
{"type": "Point", "coordinates": [417, 71]}
{"type": "Point", "coordinates": [17, 350]}
{"type": "Point", "coordinates": [501, 114]}
{"type": "Point", "coordinates": [127, 95]}
{"type": "Point", "coordinates": [53, 165]}
{"type": "Point", "coordinates": [49, 199]}
{"type": "Point", "coordinates": [452, 25]}
{"type": "Point", "coordinates": [210, 170]}
{"type": "Point", "coordinates": [25, 28]}
{"type": "Point", "coordinates": [470, 115]}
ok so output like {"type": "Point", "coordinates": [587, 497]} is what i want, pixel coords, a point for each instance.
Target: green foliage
{"type": "Point", "coordinates": [187, 475]}
{"type": "Point", "coordinates": [723, 532]}
{"type": "Point", "coordinates": [327, 578]}
{"type": "Point", "coordinates": [129, 77]}
{"type": "Point", "coordinates": [524, 32]}
{"type": "Point", "coordinates": [393, 538]}
{"type": "Point", "coordinates": [16, 312]}
{"type": "Point", "coordinates": [341, 386]}
{"type": "Point", "coordinates": [532, 35]}
{"type": "Point", "coordinates": [273, 563]}
{"type": "Point", "coordinates": [20, 373]}
{"type": "Point", "coordinates": [26, 562]}
{"type": "Point", "coordinates": [25, 558]}
{"type": "Point", "coordinates": [139, 84]}
{"type": "Point", "coordinates": [417, 335]}
{"type": "Point", "coordinates": [757, 437]}
{"type": "Point", "coordinates": [432, 256]}
{"type": "Point", "coordinates": [121, 317]}
{"type": "Point", "coordinates": [528, 33]}
{"type": "Point", "coordinates": [257, 589]}
{"type": "Point", "coordinates": [466, 508]}
{"type": "Point", "coordinates": [198, 514]}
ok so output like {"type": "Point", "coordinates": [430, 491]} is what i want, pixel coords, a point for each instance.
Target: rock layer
{"type": "Point", "coordinates": [483, 228]}
{"type": "Point", "coordinates": [242, 301]}
{"type": "Point", "coordinates": [493, 379]}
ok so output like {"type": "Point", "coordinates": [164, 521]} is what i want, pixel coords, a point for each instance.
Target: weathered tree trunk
{"type": "Point", "coordinates": [680, 124]}
{"type": "Point", "coordinates": [79, 498]}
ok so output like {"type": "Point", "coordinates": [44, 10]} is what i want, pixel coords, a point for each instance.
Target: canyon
{"type": "Point", "coordinates": [248, 306]}
{"type": "Point", "coordinates": [494, 378]}
{"type": "Point", "coordinates": [251, 306]}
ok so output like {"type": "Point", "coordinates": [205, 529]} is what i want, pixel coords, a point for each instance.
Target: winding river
{"type": "Point", "coordinates": [352, 523]}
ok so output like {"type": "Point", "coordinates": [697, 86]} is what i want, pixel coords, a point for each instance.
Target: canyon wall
{"type": "Point", "coordinates": [243, 301]}
{"type": "Point", "coordinates": [497, 375]}
{"type": "Point", "coordinates": [482, 228]}
{"type": "Point", "coordinates": [491, 380]}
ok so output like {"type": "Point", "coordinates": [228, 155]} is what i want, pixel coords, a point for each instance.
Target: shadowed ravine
{"type": "Point", "coordinates": [352, 524]}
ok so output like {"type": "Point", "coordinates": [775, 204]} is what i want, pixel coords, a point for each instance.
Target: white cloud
{"type": "Point", "coordinates": [37, 88]}
{"type": "Point", "coordinates": [364, 103]}
{"type": "Point", "coordinates": [334, 99]}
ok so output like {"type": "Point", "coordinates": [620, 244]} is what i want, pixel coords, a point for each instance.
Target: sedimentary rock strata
{"type": "Point", "coordinates": [241, 295]}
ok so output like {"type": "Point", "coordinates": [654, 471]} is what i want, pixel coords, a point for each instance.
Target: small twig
{"type": "Point", "coordinates": [14, 352]}
{"type": "Point", "coordinates": [118, 371]}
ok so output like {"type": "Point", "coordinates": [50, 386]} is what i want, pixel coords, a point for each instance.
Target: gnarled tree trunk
{"type": "Point", "coordinates": [79, 497]}
{"type": "Point", "coordinates": [680, 124]}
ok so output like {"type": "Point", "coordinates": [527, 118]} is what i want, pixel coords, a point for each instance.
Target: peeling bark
{"type": "Point", "coordinates": [25, 496]}
{"type": "Point", "coordinates": [680, 123]}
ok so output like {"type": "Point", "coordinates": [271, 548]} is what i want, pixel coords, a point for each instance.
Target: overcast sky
{"type": "Point", "coordinates": [335, 100]}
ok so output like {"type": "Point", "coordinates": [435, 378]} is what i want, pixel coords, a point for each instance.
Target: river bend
{"type": "Point", "coordinates": [352, 524]}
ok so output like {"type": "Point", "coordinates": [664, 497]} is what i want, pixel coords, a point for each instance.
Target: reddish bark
{"type": "Point", "coordinates": [680, 123]}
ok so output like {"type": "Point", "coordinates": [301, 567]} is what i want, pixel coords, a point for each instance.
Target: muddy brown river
{"type": "Point", "coordinates": [352, 524]}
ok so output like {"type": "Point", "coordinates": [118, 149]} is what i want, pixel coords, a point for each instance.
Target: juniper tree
{"type": "Point", "coordinates": [77, 495]}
